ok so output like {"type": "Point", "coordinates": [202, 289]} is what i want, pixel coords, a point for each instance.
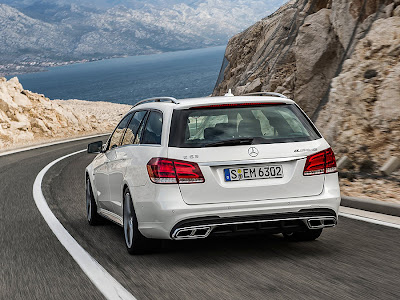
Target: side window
{"type": "Point", "coordinates": [133, 127]}
{"type": "Point", "coordinates": [139, 134]}
{"type": "Point", "coordinates": [153, 130]}
{"type": "Point", "coordinates": [118, 132]}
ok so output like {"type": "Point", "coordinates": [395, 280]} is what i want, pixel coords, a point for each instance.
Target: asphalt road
{"type": "Point", "coordinates": [355, 260]}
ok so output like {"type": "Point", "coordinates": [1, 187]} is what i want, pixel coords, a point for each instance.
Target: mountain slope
{"type": "Point", "coordinates": [22, 35]}
{"type": "Point", "coordinates": [56, 31]}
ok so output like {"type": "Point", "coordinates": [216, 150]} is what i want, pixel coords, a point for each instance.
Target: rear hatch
{"type": "Point", "coordinates": [246, 152]}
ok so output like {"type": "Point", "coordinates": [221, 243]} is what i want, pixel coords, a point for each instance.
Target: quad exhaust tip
{"type": "Point", "coordinates": [317, 223]}
{"type": "Point", "coordinates": [192, 233]}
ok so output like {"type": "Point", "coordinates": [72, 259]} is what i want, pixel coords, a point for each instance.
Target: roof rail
{"type": "Point", "coordinates": [266, 94]}
{"type": "Point", "coordinates": [156, 99]}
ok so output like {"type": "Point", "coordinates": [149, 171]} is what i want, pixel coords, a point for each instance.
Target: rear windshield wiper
{"type": "Point", "coordinates": [232, 142]}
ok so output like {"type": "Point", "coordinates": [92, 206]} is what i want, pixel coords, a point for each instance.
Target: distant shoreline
{"type": "Point", "coordinates": [37, 67]}
{"type": "Point", "coordinates": [13, 69]}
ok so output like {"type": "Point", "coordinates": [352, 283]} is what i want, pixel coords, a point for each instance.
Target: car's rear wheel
{"type": "Point", "coordinates": [308, 235]}
{"type": "Point", "coordinates": [91, 208]}
{"type": "Point", "coordinates": [135, 242]}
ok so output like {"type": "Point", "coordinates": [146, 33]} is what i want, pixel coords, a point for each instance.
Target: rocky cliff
{"type": "Point", "coordinates": [30, 118]}
{"type": "Point", "coordinates": [339, 60]}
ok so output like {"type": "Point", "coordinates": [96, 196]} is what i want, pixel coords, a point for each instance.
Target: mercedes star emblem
{"type": "Point", "coordinates": [253, 151]}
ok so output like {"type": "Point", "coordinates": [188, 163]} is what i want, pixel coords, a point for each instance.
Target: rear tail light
{"type": "Point", "coordinates": [164, 170]}
{"type": "Point", "coordinates": [330, 166]}
{"type": "Point", "coordinates": [323, 162]}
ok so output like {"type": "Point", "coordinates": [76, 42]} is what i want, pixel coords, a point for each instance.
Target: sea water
{"type": "Point", "coordinates": [181, 74]}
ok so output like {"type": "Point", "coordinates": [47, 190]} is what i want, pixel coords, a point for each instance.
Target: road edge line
{"type": "Point", "coordinates": [9, 152]}
{"type": "Point", "coordinates": [369, 220]}
{"type": "Point", "coordinates": [372, 205]}
{"type": "Point", "coordinates": [104, 282]}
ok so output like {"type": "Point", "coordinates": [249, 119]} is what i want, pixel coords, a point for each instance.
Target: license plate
{"type": "Point", "coordinates": [262, 172]}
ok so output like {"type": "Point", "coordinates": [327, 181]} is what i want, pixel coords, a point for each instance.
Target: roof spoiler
{"type": "Point", "coordinates": [266, 94]}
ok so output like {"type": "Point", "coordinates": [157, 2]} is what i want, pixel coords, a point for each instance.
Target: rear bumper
{"type": "Point", "coordinates": [272, 223]}
{"type": "Point", "coordinates": [169, 214]}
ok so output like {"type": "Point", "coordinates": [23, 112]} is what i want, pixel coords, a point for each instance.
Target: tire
{"type": "Point", "coordinates": [135, 242]}
{"type": "Point", "coordinates": [308, 235]}
{"type": "Point", "coordinates": [91, 208]}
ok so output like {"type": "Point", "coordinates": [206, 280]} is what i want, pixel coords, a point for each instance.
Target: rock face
{"type": "Point", "coordinates": [362, 116]}
{"type": "Point", "coordinates": [318, 53]}
{"type": "Point", "coordinates": [27, 118]}
{"type": "Point", "coordinates": [339, 60]}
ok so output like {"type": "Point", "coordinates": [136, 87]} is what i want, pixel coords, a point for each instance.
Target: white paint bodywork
{"type": "Point", "coordinates": [159, 207]}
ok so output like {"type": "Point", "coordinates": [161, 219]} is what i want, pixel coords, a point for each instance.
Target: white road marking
{"type": "Point", "coordinates": [370, 217]}
{"type": "Point", "coordinates": [50, 144]}
{"type": "Point", "coordinates": [106, 284]}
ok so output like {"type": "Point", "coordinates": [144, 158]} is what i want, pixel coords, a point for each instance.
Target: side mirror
{"type": "Point", "coordinates": [96, 147]}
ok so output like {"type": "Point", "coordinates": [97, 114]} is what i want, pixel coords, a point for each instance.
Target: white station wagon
{"type": "Point", "coordinates": [193, 168]}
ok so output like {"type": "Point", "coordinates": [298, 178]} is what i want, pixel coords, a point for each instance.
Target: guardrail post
{"type": "Point", "coordinates": [343, 162]}
{"type": "Point", "coordinates": [390, 166]}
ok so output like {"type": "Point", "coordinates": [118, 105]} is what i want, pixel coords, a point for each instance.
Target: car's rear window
{"type": "Point", "coordinates": [260, 124]}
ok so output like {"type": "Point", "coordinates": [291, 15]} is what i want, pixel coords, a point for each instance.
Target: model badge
{"type": "Point", "coordinates": [253, 151]}
{"type": "Point", "coordinates": [305, 150]}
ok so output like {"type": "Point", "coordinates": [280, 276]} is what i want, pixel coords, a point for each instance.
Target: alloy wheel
{"type": "Point", "coordinates": [128, 220]}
